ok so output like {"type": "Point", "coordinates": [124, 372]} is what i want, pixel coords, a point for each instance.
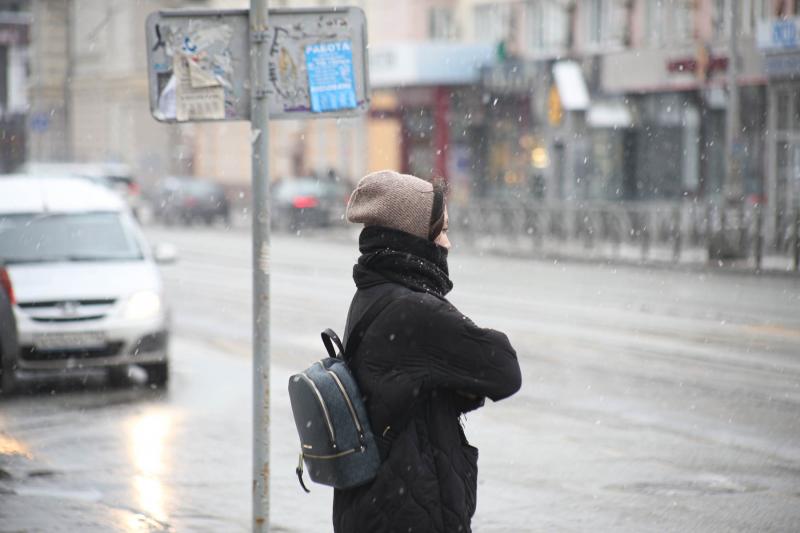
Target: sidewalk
{"type": "Point", "coordinates": [520, 246]}
{"type": "Point", "coordinates": [657, 256]}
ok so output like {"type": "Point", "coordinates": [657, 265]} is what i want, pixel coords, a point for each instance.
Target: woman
{"type": "Point", "coordinates": [420, 365]}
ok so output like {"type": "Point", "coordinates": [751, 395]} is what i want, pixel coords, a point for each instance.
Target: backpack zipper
{"type": "Point", "coordinates": [335, 455]}
{"type": "Point", "coordinates": [347, 400]}
{"type": "Point", "coordinates": [324, 408]}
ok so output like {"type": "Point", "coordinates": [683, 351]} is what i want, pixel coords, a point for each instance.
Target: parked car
{"type": "Point", "coordinates": [9, 346]}
{"type": "Point", "coordinates": [116, 176]}
{"type": "Point", "coordinates": [186, 200]}
{"type": "Point", "coordinates": [304, 202]}
{"type": "Point", "coordinates": [87, 291]}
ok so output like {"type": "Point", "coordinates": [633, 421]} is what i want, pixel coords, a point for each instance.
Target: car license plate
{"type": "Point", "coordinates": [69, 341]}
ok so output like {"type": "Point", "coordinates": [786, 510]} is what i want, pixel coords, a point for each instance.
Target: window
{"type": "Point", "coordinates": [753, 12]}
{"type": "Point", "coordinates": [595, 21]}
{"type": "Point", "coordinates": [91, 35]}
{"type": "Point", "coordinates": [604, 21]}
{"type": "Point", "coordinates": [546, 25]}
{"type": "Point", "coordinates": [655, 21]}
{"type": "Point", "coordinates": [763, 9]}
{"type": "Point", "coordinates": [670, 21]}
{"type": "Point", "coordinates": [493, 22]}
{"type": "Point", "coordinates": [719, 18]}
{"type": "Point", "coordinates": [441, 24]}
{"type": "Point", "coordinates": [682, 15]}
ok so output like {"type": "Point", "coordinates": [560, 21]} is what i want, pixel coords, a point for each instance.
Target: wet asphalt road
{"type": "Point", "coordinates": [652, 400]}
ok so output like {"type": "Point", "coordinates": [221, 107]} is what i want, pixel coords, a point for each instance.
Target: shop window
{"type": "Point", "coordinates": [783, 110]}
{"type": "Point", "coordinates": [796, 112]}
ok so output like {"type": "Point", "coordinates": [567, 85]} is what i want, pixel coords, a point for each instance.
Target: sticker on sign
{"type": "Point", "coordinates": [330, 76]}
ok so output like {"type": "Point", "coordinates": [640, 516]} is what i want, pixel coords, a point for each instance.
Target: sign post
{"type": "Point", "coordinates": [254, 65]}
{"type": "Point", "coordinates": [259, 136]}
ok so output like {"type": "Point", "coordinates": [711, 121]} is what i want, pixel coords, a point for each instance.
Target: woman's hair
{"type": "Point", "coordinates": [437, 213]}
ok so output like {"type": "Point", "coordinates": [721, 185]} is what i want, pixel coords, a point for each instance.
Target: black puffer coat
{"type": "Point", "coordinates": [420, 365]}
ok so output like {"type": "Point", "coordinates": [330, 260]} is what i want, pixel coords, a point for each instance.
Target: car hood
{"type": "Point", "coordinates": [82, 280]}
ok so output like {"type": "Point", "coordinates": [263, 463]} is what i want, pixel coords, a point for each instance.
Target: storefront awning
{"type": "Point", "coordinates": [609, 115]}
{"type": "Point", "coordinates": [427, 64]}
{"type": "Point", "coordinates": [571, 86]}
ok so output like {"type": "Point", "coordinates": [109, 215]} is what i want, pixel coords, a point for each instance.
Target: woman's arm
{"type": "Point", "coordinates": [465, 358]}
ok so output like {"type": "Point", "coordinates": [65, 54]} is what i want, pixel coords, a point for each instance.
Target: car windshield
{"type": "Point", "coordinates": [50, 237]}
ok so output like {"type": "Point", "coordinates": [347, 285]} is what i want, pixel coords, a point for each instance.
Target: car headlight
{"type": "Point", "coordinates": [143, 305]}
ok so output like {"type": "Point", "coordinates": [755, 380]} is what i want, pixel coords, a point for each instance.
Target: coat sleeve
{"type": "Point", "coordinates": [466, 358]}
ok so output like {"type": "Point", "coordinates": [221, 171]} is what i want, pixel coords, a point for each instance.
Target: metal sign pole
{"type": "Point", "coordinates": [259, 136]}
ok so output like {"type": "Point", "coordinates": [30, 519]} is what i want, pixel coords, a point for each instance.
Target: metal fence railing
{"type": "Point", "coordinates": [646, 231]}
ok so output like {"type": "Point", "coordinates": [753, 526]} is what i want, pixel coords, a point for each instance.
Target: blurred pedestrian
{"type": "Point", "coordinates": [421, 364]}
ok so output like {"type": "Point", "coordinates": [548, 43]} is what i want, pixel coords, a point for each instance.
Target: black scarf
{"type": "Point", "coordinates": [419, 264]}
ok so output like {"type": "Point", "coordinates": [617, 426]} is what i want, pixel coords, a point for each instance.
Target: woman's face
{"type": "Point", "coordinates": [442, 239]}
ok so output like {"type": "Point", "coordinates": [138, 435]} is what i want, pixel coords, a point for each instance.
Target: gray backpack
{"type": "Point", "coordinates": [336, 441]}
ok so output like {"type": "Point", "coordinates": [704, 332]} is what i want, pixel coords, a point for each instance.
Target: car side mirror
{"type": "Point", "coordinates": [165, 253]}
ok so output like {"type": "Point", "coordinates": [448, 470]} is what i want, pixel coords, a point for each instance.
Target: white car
{"type": "Point", "coordinates": [116, 176]}
{"type": "Point", "coordinates": [87, 289]}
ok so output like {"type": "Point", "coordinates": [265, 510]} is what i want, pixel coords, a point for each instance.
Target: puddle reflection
{"type": "Point", "coordinates": [148, 440]}
{"type": "Point", "coordinates": [11, 446]}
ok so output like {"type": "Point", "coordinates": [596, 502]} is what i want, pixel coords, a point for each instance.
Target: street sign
{"type": "Point", "coordinates": [40, 122]}
{"type": "Point", "coordinates": [778, 34]}
{"type": "Point", "coordinates": [198, 64]}
{"type": "Point", "coordinates": [255, 65]}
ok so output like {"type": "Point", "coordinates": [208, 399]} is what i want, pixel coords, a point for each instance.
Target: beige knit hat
{"type": "Point", "coordinates": [388, 198]}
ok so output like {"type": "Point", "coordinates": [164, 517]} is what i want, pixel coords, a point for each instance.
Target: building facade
{"type": "Point", "coordinates": [540, 100]}
{"type": "Point", "coordinates": [88, 88]}
{"type": "Point", "coordinates": [15, 23]}
{"type": "Point", "coordinates": [656, 73]}
{"type": "Point", "coordinates": [779, 41]}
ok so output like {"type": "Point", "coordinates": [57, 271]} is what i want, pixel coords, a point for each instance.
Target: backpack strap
{"type": "Point", "coordinates": [329, 339]}
{"type": "Point", "coordinates": [354, 337]}
{"type": "Point", "coordinates": [385, 436]}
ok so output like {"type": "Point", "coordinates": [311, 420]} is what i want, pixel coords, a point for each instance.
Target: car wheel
{"type": "Point", "coordinates": [8, 380]}
{"type": "Point", "coordinates": [157, 374]}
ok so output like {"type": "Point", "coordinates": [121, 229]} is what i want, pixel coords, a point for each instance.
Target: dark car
{"type": "Point", "coordinates": [179, 200]}
{"type": "Point", "coordinates": [306, 202]}
{"type": "Point", "coordinates": [8, 334]}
